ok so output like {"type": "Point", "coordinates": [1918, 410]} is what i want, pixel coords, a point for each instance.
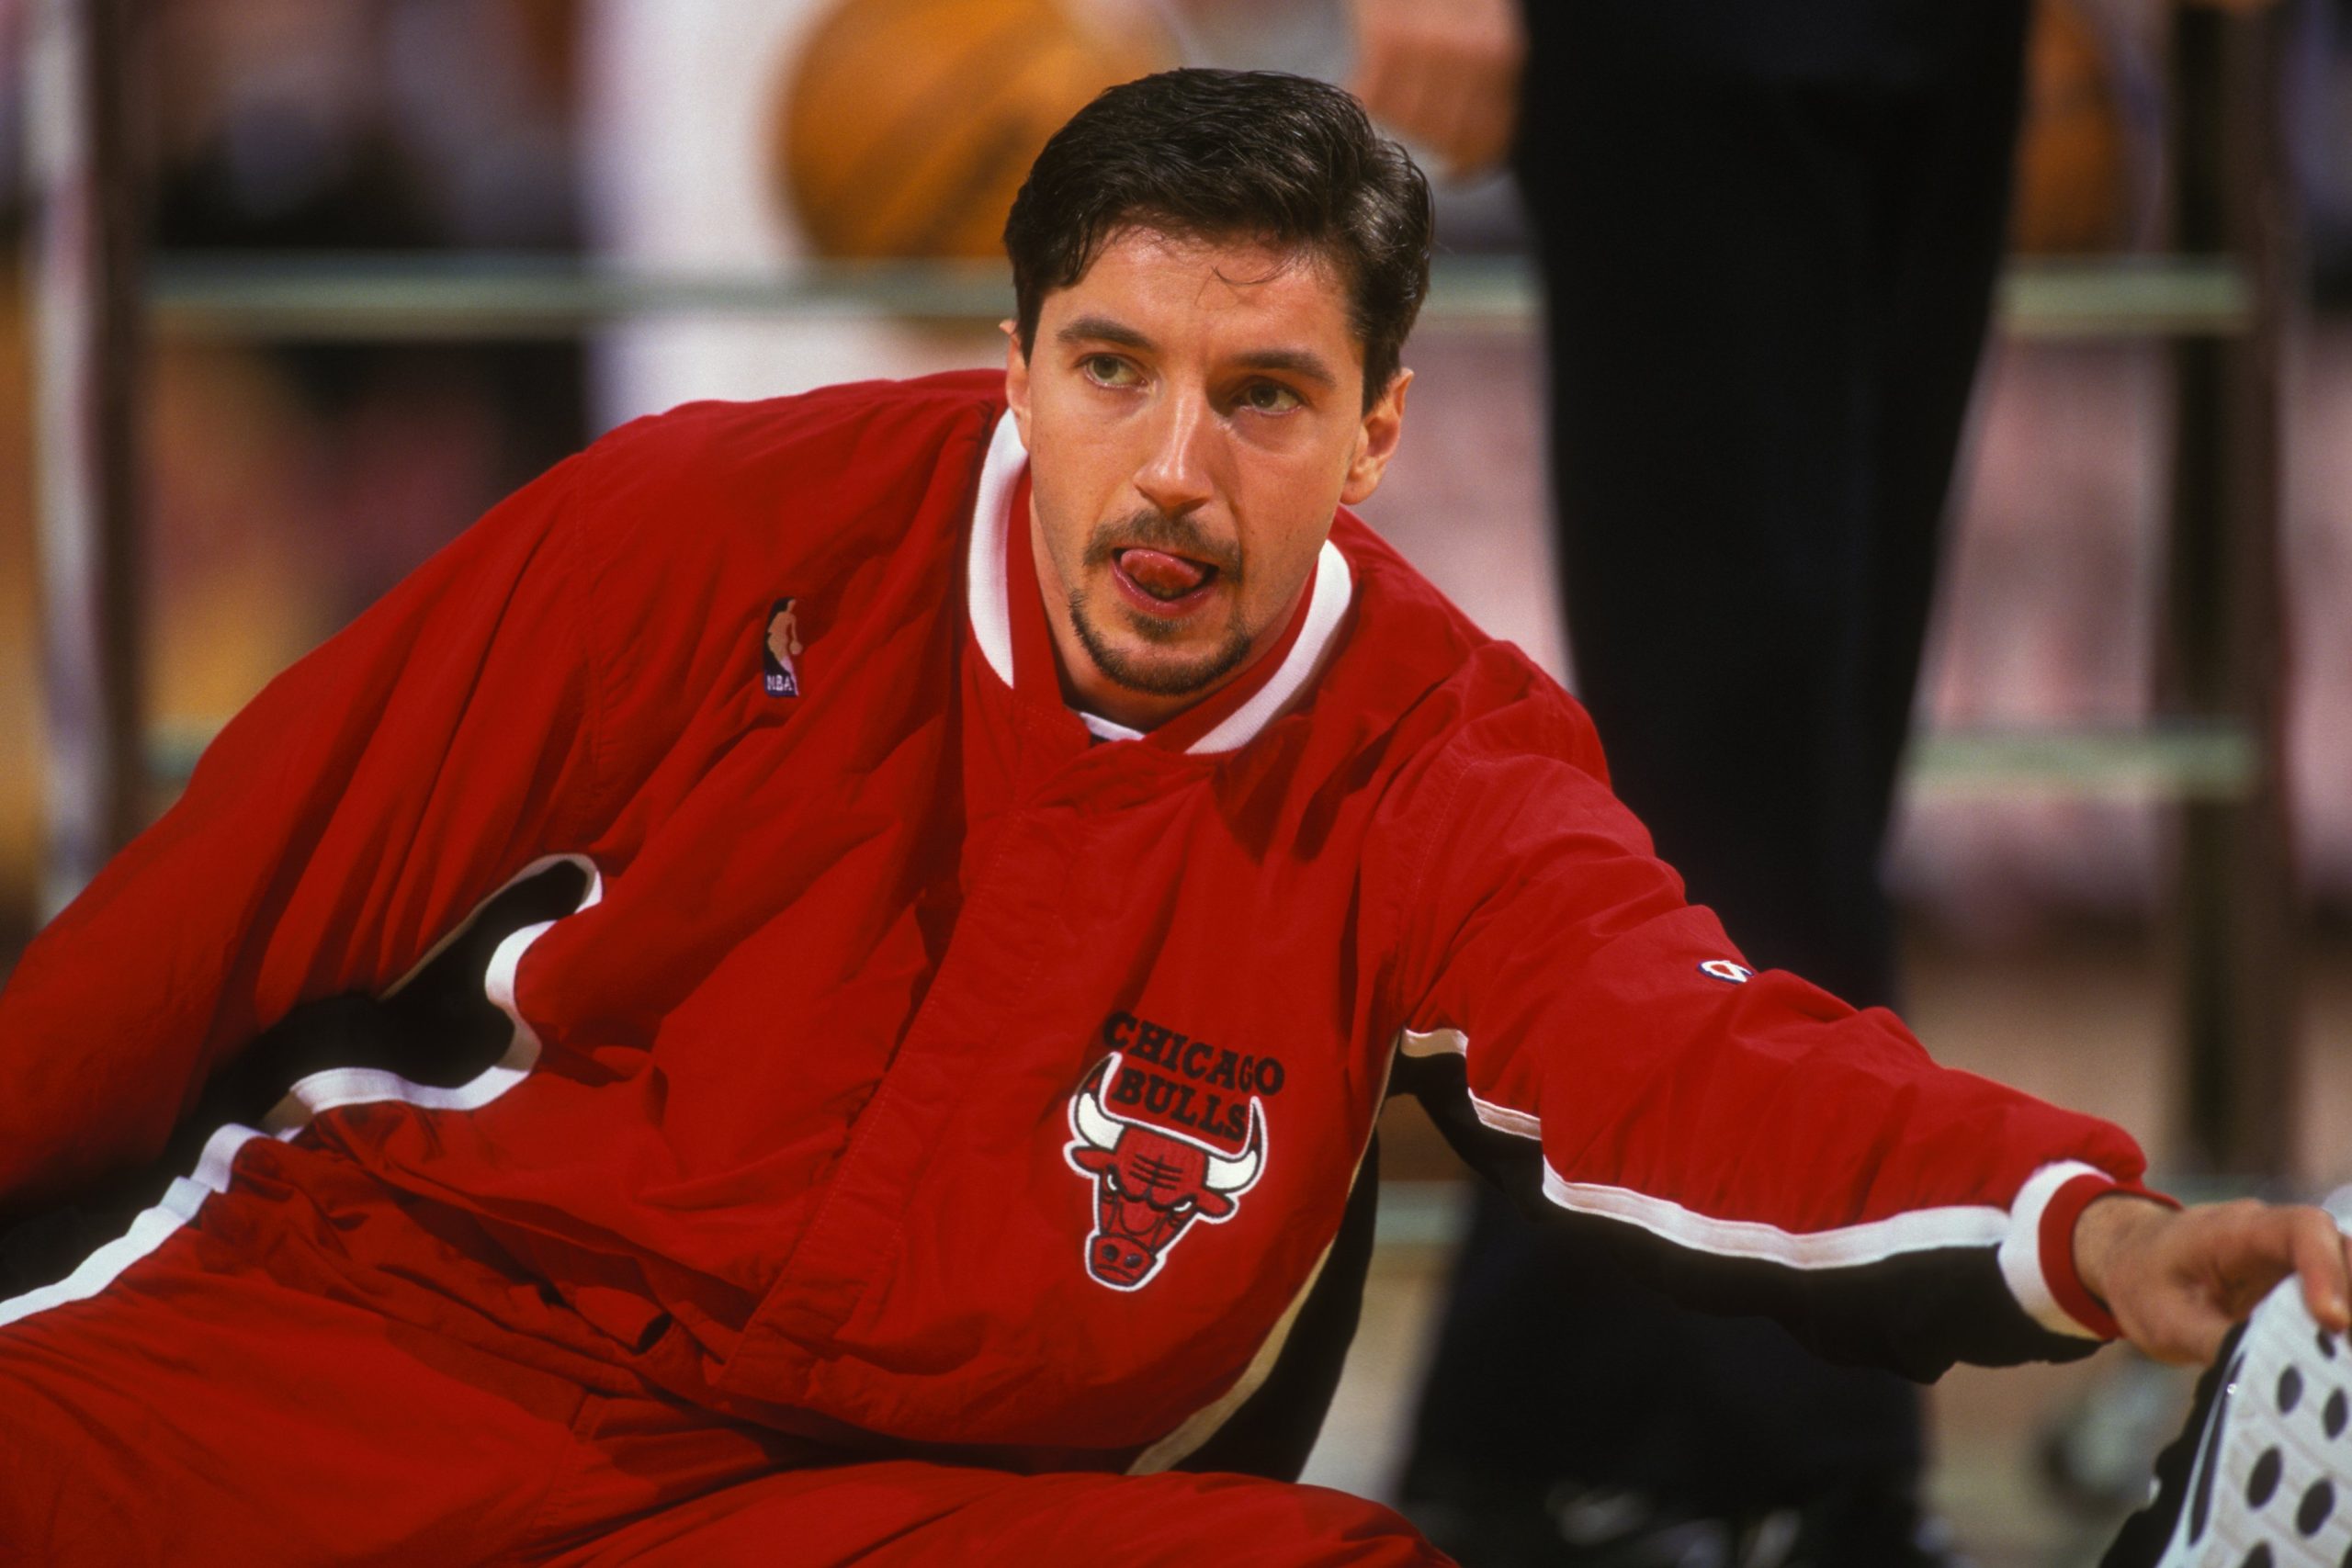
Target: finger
{"type": "Point", "coordinates": [2318, 1249]}
{"type": "Point", "coordinates": [2243, 1248]}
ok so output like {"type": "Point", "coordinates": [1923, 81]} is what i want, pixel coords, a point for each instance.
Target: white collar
{"type": "Point", "coordinates": [991, 610]}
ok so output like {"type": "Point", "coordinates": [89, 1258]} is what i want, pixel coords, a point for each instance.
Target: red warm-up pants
{"type": "Point", "coordinates": [199, 1409]}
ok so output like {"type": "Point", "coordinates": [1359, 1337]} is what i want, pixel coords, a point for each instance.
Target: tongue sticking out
{"type": "Point", "coordinates": [1162, 576]}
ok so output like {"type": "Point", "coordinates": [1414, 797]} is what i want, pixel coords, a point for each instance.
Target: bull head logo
{"type": "Point", "coordinates": [1150, 1184]}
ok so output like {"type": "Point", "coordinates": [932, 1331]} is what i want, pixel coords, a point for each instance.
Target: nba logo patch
{"type": "Point", "coordinates": [780, 677]}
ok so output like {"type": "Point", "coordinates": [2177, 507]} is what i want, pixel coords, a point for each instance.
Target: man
{"type": "Point", "coordinates": [930, 1107]}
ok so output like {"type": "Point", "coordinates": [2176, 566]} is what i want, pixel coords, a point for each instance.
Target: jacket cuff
{"type": "Point", "coordinates": [2038, 1255]}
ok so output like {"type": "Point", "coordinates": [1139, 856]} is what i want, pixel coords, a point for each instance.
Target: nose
{"type": "Point", "coordinates": [1118, 1259]}
{"type": "Point", "coordinates": [1175, 476]}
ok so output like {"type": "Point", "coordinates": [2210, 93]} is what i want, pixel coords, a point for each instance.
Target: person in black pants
{"type": "Point", "coordinates": [1769, 237]}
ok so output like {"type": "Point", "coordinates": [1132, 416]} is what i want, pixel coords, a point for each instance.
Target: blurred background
{"type": "Point", "coordinates": [388, 258]}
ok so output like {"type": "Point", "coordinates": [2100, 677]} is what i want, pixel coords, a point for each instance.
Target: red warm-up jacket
{"type": "Point", "coordinates": [905, 1058]}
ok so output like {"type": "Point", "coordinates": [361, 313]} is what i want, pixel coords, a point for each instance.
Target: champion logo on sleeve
{"type": "Point", "coordinates": [1723, 969]}
{"type": "Point", "coordinates": [780, 674]}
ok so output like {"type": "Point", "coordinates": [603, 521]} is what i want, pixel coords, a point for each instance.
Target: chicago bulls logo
{"type": "Point", "coordinates": [1150, 1184]}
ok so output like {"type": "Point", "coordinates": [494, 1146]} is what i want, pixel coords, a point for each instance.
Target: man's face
{"type": "Point", "coordinates": [1194, 411]}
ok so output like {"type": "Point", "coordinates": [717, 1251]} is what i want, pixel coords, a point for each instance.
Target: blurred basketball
{"type": "Point", "coordinates": [908, 125]}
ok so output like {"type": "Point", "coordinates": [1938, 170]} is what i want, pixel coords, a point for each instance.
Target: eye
{"type": "Point", "coordinates": [1110, 1179]}
{"type": "Point", "coordinates": [1269, 397]}
{"type": "Point", "coordinates": [1181, 1206]}
{"type": "Point", "coordinates": [1109, 370]}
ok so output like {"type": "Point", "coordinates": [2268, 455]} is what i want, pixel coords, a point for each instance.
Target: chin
{"type": "Point", "coordinates": [1162, 674]}
{"type": "Point", "coordinates": [1170, 667]}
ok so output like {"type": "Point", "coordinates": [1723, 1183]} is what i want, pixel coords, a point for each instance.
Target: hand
{"type": "Point", "coordinates": [1443, 73]}
{"type": "Point", "coordinates": [2176, 1279]}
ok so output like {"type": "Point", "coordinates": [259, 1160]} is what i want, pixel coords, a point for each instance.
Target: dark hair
{"type": "Point", "coordinates": [1232, 154]}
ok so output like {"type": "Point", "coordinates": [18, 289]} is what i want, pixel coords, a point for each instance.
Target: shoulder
{"type": "Point", "coordinates": [1436, 681]}
{"type": "Point", "coordinates": [869, 459]}
{"type": "Point", "coordinates": [862, 436]}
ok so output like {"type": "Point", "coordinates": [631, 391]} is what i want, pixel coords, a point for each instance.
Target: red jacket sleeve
{"type": "Point", "coordinates": [1744, 1137]}
{"type": "Point", "coordinates": [355, 809]}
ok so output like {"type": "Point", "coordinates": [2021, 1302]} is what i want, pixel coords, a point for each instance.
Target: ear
{"type": "Point", "coordinates": [1376, 439]}
{"type": "Point", "coordinates": [1016, 379]}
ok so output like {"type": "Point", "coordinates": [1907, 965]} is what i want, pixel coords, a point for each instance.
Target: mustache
{"type": "Point", "coordinates": [1164, 531]}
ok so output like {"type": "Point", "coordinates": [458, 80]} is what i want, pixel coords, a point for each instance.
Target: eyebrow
{"type": "Point", "coordinates": [1102, 329]}
{"type": "Point", "coordinates": [1294, 361]}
